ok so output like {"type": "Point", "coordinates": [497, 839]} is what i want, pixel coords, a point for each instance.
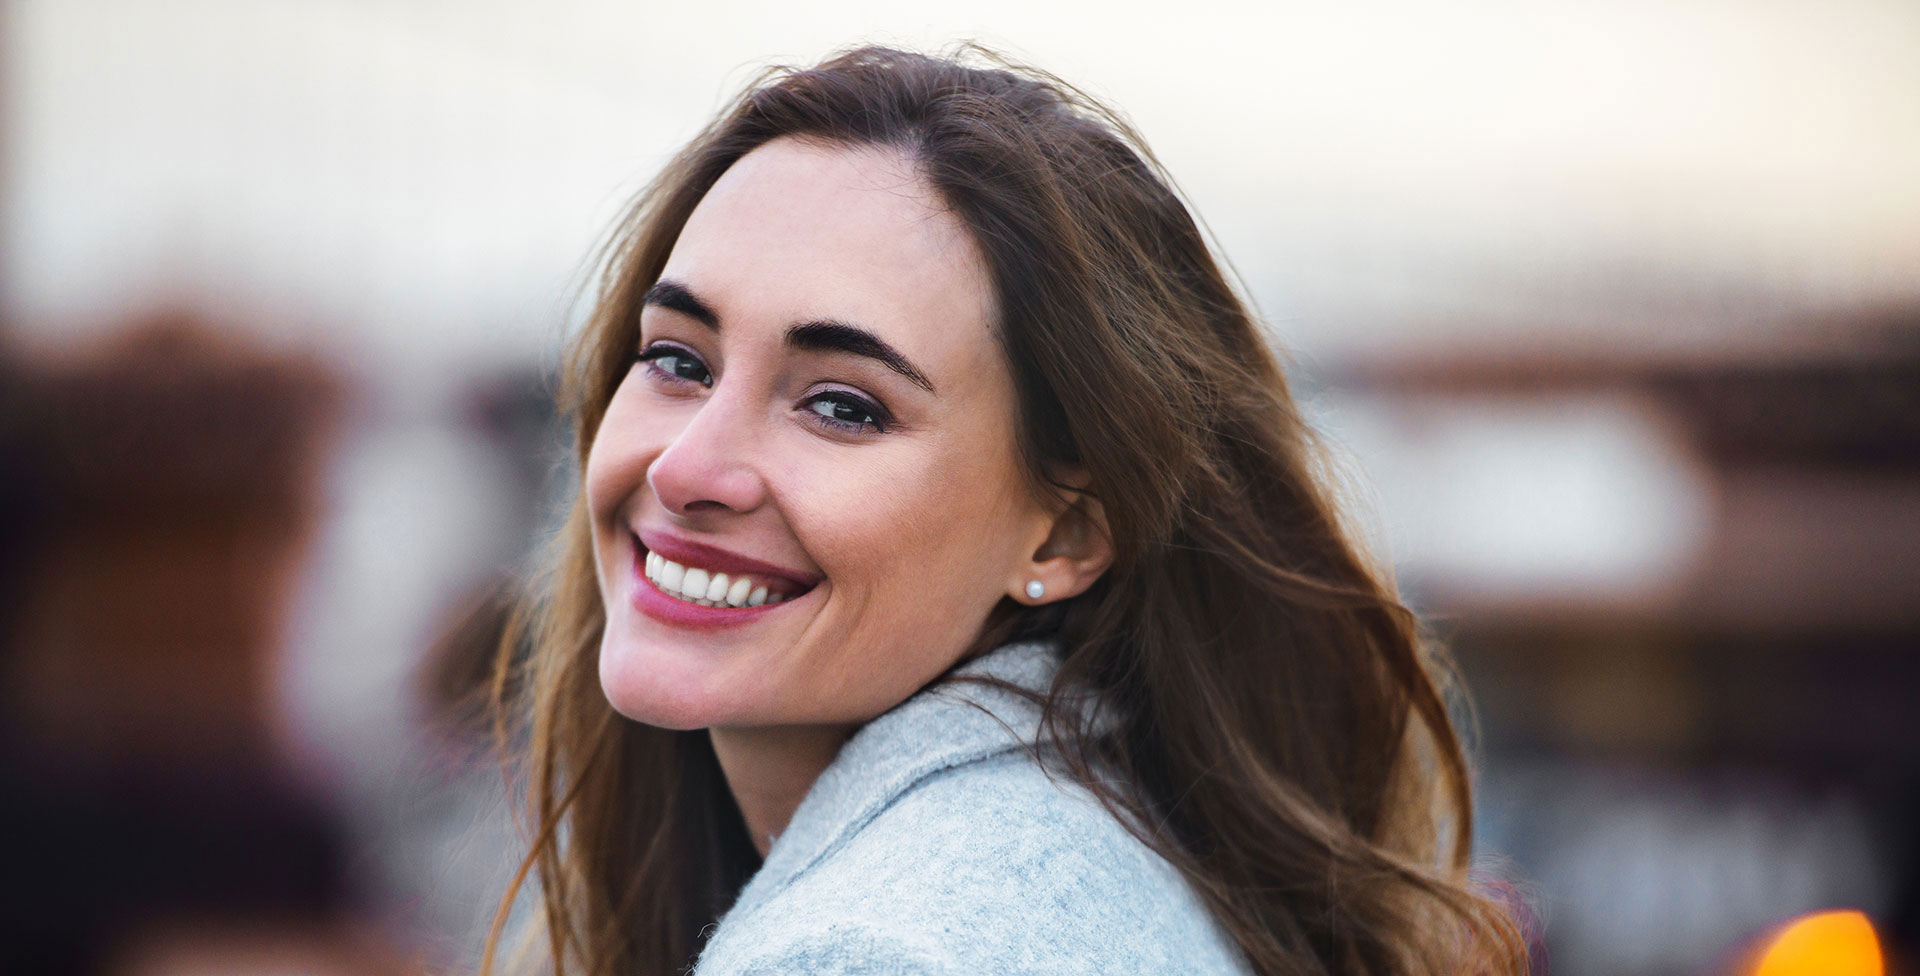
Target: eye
{"type": "Point", "coordinates": [676, 363]}
{"type": "Point", "coordinates": [846, 411]}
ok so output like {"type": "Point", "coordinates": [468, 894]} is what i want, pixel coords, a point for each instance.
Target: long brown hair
{"type": "Point", "coordinates": [1281, 717]}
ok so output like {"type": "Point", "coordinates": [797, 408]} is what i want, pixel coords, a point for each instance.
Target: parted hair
{"type": "Point", "coordinates": [1280, 727]}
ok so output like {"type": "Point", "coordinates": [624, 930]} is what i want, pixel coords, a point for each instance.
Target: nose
{"type": "Point", "coordinates": [710, 469]}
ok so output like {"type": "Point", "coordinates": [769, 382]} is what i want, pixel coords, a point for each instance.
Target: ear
{"type": "Point", "coordinates": [1075, 549]}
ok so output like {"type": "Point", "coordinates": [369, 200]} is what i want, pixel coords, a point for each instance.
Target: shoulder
{"type": "Point", "coordinates": [995, 865]}
{"type": "Point", "coordinates": [825, 947]}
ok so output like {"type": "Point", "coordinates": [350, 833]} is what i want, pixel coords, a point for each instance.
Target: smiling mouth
{"type": "Point", "coordinates": [712, 588]}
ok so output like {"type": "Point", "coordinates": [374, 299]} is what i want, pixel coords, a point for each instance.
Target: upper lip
{"type": "Point", "coordinates": [687, 552]}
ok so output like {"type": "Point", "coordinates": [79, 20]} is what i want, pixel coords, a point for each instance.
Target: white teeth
{"type": "Point", "coordinates": [695, 584]}
{"type": "Point", "coordinates": [707, 588]}
{"type": "Point", "coordinates": [671, 574]}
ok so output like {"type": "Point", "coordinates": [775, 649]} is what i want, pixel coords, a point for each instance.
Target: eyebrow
{"type": "Point", "coordinates": [821, 335]}
{"type": "Point", "coordinates": [673, 295]}
{"type": "Point", "coordinates": [827, 335]}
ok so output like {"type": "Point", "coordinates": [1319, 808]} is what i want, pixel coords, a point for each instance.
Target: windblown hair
{"type": "Point", "coordinates": [1282, 736]}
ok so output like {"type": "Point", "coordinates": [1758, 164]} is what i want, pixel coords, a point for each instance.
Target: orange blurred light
{"type": "Point", "coordinates": [1823, 944]}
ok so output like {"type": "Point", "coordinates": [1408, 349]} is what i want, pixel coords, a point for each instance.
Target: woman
{"type": "Point", "coordinates": [951, 588]}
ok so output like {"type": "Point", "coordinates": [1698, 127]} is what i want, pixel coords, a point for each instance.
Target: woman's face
{"type": "Point", "coordinates": [820, 413]}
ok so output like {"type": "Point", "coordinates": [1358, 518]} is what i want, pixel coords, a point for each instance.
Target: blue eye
{"type": "Point", "coordinates": [676, 363]}
{"type": "Point", "coordinates": [844, 411]}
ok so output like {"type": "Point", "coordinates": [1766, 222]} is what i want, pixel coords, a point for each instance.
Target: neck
{"type": "Point", "coordinates": [769, 769]}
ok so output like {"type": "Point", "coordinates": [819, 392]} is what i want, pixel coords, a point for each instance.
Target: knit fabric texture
{"type": "Point", "coordinates": [936, 843]}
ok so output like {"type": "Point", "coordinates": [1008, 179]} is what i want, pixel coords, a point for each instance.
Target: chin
{"type": "Point", "coordinates": [665, 688]}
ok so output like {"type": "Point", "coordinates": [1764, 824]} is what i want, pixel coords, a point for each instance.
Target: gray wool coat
{"type": "Point", "coordinates": [936, 844]}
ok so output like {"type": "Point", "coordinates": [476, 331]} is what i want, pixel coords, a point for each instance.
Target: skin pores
{"type": "Point", "coordinates": [905, 508]}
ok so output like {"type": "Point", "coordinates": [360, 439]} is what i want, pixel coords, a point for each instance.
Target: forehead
{"type": "Point", "coordinates": [798, 230]}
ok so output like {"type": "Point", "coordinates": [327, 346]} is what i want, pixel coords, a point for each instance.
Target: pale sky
{"type": "Point", "coordinates": [419, 183]}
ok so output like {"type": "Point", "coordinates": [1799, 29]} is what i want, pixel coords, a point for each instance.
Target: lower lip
{"type": "Point", "coordinates": [650, 600]}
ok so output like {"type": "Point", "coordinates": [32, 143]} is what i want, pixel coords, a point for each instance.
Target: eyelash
{"type": "Point", "coordinates": [878, 419]}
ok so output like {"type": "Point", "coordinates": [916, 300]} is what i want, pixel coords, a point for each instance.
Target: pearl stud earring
{"type": "Point", "coordinates": [1036, 589]}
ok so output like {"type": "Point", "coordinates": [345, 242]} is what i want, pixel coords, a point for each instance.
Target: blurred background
{"type": "Point", "coordinates": [1612, 311]}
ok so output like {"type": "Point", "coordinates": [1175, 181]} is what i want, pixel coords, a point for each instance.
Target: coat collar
{"type": "Point", "coordinates": [941, 726]}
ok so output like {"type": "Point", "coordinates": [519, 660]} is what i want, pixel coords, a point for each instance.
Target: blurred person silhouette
{"type": "Point", "coordinates": [157, 491]}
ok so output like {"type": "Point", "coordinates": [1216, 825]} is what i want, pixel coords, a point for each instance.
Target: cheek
{"type": "Point", "coordinates": [926, 511]}
{"type": "Point", "coordinates": [628, 440]}
{"type": "Point", "coordinates": [920, 543]}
